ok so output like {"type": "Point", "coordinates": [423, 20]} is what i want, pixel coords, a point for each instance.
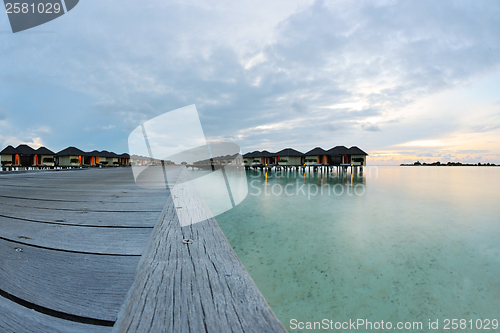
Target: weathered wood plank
{"type": "Point", "coordinates": [17, 318]}
{"type": "Point", "coordinates": [198, 287]}
{"type": "Point", "coordinates": [92, 286]}
{"type": "Point", "coordinates": [119, 241]}
{"type": "Point", "coordinates": [66, 196]}
{"type": "Point", "coordinates": [101, 179]}
{"type": "Point", "coordinates": [100, 219]}
{"type": "Point", "coordinates": [72, 175]}
{"type": "Point", "coordinates": [86, 206]}
{"type": "Point", "coordinates": [37, 210]}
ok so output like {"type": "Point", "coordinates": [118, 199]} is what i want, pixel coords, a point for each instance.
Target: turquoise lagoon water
{"type": "Point", "coordinates": [398, 244]}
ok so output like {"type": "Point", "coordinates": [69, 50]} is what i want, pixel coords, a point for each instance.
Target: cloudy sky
{"type": "Point", "coordinates": [403, 80]}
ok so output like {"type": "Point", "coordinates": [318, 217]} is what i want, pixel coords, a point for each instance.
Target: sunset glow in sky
{"type": "Point", "coordinates": [403, 80]}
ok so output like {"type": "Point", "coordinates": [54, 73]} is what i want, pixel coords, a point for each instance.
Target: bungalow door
{"type": "Point", "coordinates": [26, 161]}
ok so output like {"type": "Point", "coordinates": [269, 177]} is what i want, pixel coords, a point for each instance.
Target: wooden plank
{"type": "Point", "coordinates": [101, 219]}
{"type": "Point", "coordinates": [198, 287]}
{"type": "Point", "coordinates": [19, 319]}
{"type": "Point", "coordinates": [100, 179]}
{"type": "Point", "coordinates": [44, 216]}
{"type": "Point", "coordinates": [102, 240]}
{"type": "Point", "coordinates": [86, 174]}
{"type": "Point", "coordinates": [69, 196]}
{"type": "Point", "coordinates": [85, 206]}
{"type": "Point", "coordinates": [92, 286]}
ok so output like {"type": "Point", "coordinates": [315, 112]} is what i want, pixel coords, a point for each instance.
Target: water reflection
{"type": "Point", "coordinates": [419, 244]}
{"type": "Point", "coordinates": [309, 184]}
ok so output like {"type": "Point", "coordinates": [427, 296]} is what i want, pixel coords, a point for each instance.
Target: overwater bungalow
{"type": "Point", "coordinates": [343, 155]}
{"type": "Point", "coordinates": [9, 156]}
{"type": "Point", "coordinates": [289, 156]}
{"type": "Point", "coordinates": [357, 156]}
{"type": "Point", "coordinates": [112, 159]}
{"type": "Point", "coordinates": [124, 159]}
{"type": "Point", "coordinates": [251, 158]}
{"type": "Point", "coordinates": [316, 156]}
{"type": "Point", "coordinates": [70, 156]}
{"type": "Point", "coordinates": [141, 160]}
{"type": "Point", "coordinates": [234, 159]}
{"type": "Point", "coordinates": [265, 157]}
{"type": "Point", "coordinates": [91, 158]}
{"type": "Point", "coordinates": [45, 157]}
{"type": "Point", "coordinates": [27, 155]}
{"type": "Point", "coordinates": [105, 158]}
{"type": "Point", "coordinates": [336, 156]}
{"type": "Point", "coordinates": [339, 155]}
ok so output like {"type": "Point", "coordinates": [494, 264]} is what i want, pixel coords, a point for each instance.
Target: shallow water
{"type": "Point", "coordinates": [398, 244]}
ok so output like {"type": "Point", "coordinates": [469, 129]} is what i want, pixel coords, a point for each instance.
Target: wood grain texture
{"type": "Point", "coordinates": [118, 241]}
{"type": "Point", "coordinates": [98, 219]}
{"type": "Point", "coordinates": [92, 286]}
{"type": "Point", "coordinates": [198, 287]}
{"type": "Point", "coordinates": [84, 206]}
{"type": "Point", "coordinates": [17, 318]}
{"type": "Point", "coordinates": [70, 242]}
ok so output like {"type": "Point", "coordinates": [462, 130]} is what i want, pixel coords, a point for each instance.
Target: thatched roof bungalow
{"type": "Point", "coordinates": [251, 158]}
{"type": "Point", "coordinates": [357, 156]}
{"type": "Point", "coordinates": [338, 155]}
{"type": "Point", "coordinates": [90, 158]}
{"type": "Point", "coordinates": [289, 156]}
{"type": "Point", "coordinates": [8, 156]}
{"type": "Point", "coordinates": [343, 155]}
{"type": "Point", "coordinates": [70, 156]}
{"type": "Point", "coordinates": [124, 159]}
{"type": "Point", "coordinates": [265, 157]}
{"type": "Point", "coordinates": [316, 156]}
{"type": "Point", "coordinates": [26, 155]}
{"type": "Point", "coordinates": [44, 157]}
{"type": "Point", "coordinates": [112, 158]}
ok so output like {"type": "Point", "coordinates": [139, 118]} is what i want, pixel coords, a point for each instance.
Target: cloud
{"type": "Point", "coordinates": [263, 74]}
{"type": "Point", "coordinates": [423, 143]}
{"type": "Point", "coordinates": [371, 127]}
{"type": "Point", "coordinates": [332, 127]}
{"type": "Point", "coordinates": [34, 142]}
{"type": "Point", "coordinates": [299, 107]}
{"type": "Point", "coordinates": [472, 151]}
{"type": "Point", "coordinates": [23, 78]}
{"type": "Point", "coordinates": [100, 127]}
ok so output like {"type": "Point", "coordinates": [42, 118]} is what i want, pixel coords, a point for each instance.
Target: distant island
{"type": "Point", "coordinates": [417, 163]}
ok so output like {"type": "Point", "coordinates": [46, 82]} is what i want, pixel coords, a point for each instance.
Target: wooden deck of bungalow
{"type": "Point", "coordinates": [89, 251]}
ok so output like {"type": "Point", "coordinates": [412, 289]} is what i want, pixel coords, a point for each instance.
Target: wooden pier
{"type": "Point", "coordinates": [89, 251]}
